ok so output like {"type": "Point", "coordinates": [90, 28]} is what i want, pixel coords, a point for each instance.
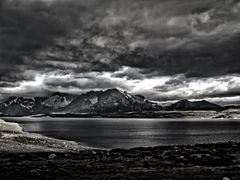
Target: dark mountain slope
{"type": "Point", "coordinates": [185, 105]}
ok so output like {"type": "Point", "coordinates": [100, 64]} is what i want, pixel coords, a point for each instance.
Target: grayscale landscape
{"type": "Point", "coordinates": [127, 89]}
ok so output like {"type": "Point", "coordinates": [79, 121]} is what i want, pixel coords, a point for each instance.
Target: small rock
{"type": "Point", "coordinates": [197, 156]}
{"type": "Point", "coordinates": [226, 178]}
{"type": "Point", "coordinates": [181, 159]}
{"type": "Point", "coordinates": [94, 152]}
{"type": "Point", "coordinates": [52, 156]}
{"type": "Point", "coordinates": [35, 172]}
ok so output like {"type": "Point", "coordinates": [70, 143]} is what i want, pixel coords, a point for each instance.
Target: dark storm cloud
{"type": "Point", "coordinates": [149, 38]}
{"type": "Point", "coordinates": [168, 30]}
{"type": "Point", "coordinates": [7, 84]}
{"type": "Point", "coordinates": [24, 29]}
{"type": "Point", "coordinates": [202, 43]}
{"type": "Point", "coordinates": [206, 61]}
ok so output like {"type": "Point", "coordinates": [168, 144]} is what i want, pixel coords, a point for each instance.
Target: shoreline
{"type": "Point", "coordinates": [35, 156]}
{"type": "Point", "coordinates": [18, 120]}
{"type": "Point", "coordinates": [14, 139]}
{"type": "Point", "coordinates": [175, 114]}
{"type": "Point", "coordinates": [186, 119]}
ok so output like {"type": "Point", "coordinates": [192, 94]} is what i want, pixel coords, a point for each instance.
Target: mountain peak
{"type": "Point", "coordinates": [194, 105]}
{"type": "Point", "coordinates": [205, 101]}
{"type": "Point", "coordinates": [115, 90]}
{"type": "Point", "coordinates": [184, 101]}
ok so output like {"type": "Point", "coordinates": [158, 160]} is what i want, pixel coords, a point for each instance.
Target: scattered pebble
{"type": "Point", "coordinates": [52, 156]}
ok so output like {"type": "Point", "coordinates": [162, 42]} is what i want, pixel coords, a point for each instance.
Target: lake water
{"type": "Point", "coordinates": [127, 133]}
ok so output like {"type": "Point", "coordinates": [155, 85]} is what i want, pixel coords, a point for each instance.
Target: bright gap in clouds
{"type": "Point", "coordinates": [24, 85]}
{"type": "Point", "coordinates": [221, 89]}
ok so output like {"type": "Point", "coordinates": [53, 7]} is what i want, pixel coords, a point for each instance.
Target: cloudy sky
{"type": "Point", "coordinates": [165, 50]}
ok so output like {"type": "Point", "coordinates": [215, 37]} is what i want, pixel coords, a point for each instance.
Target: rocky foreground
{"type": "Point", "coordinates": [38, 157]}
{"type": "Point", "coordinates": [212, 161]}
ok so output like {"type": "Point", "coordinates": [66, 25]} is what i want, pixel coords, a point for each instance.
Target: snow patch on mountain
{"type": "Point", "coordinates": [26, 107]}
{"type": "Point", "coordinates": [24, 102]}
{"type": "Point", "coordinates": [94, 100]}
{"type": "Point", "coordinates": [57, 102]}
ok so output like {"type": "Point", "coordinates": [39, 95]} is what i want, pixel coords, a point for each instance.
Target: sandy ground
{"type": "Point", "coordinates": [13, 139]}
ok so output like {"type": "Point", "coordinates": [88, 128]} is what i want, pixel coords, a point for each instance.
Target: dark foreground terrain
{"type": "Point", "coordinates": [211, 161]}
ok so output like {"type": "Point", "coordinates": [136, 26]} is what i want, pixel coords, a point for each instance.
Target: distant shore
{"type": "Point", "coordinates": [31, 156]}
{"type": "Point", "coordinates": [226, 114]}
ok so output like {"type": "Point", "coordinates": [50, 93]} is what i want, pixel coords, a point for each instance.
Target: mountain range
{"type": "Point", "coordinates": [94, 102]}
{"type": "Point", "coordinates": [109, 101]}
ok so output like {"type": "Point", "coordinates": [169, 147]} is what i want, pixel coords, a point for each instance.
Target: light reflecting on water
{"type": "Point", "coordinates": [127, 133]}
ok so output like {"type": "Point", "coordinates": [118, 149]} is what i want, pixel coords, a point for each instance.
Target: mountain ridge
{"type": "Point", "coordinates": [111, 100]}
{"type": "Point", "coordinates": [194, 105]}
{"type": "Point", "coordinates": [96, 102]}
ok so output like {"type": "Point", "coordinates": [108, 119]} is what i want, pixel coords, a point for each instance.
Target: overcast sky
{"type": "Point", "coordinates": [165, 50]}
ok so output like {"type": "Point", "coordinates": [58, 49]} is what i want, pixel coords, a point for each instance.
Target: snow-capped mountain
{"type": "Point", "coordinates": [58, 100]}
{"type": "Point", "coordinates": [93, 102]}
{"type": "Point", "coordinates": [17, 106]}
{"type": "Point", "coordinates": [112, 100]}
